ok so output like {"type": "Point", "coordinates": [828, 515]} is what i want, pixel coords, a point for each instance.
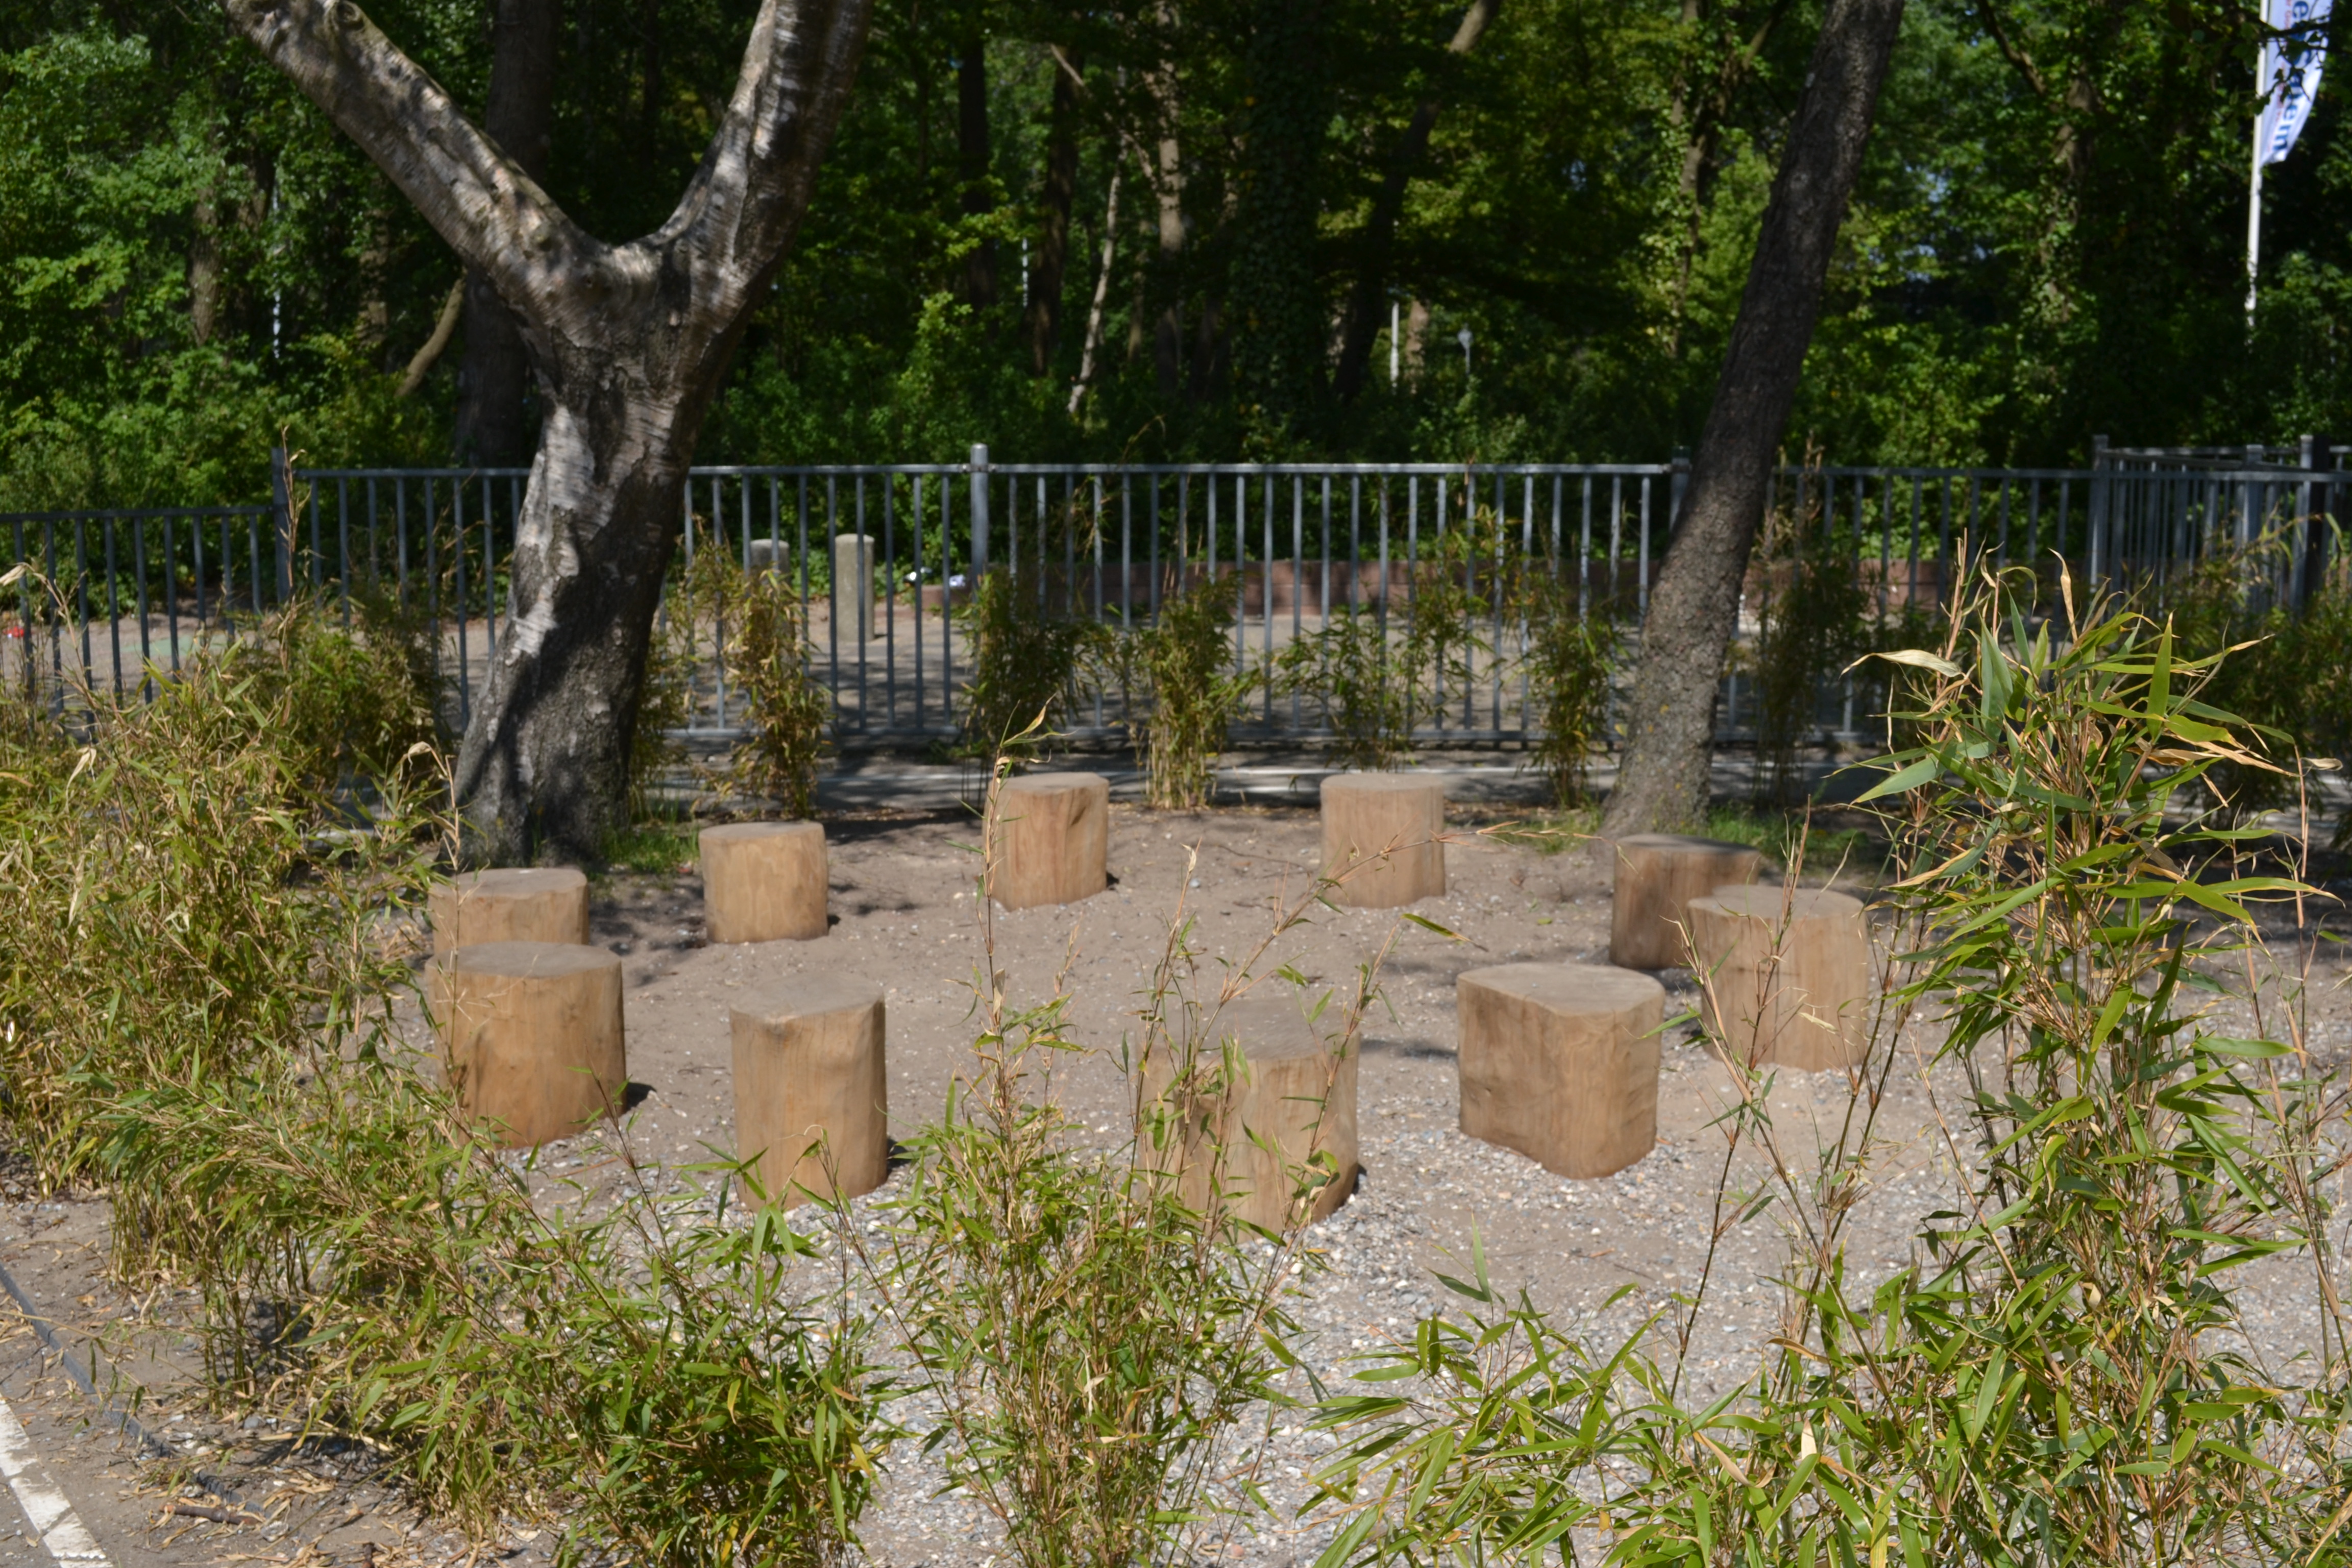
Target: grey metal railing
{"type": "Point", "coordinates": [881, 555]}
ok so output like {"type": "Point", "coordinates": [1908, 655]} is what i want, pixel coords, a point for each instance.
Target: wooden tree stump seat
{"type": "Point", "coordinates": [1560, 1062]}
{"type": "Point", "coordinates": [535, 904]}
{"type": "Point", "coordinates": [813, 1087]}
{"type": "Point", "coordinates": [764, 881]}
{"type": "Point", "coordinates": [1053, 840]}
{"type": "Point", "coordinates": [1794, 992]}
{"type": "Point", "coordinates": [1381, 830]}
{"type": "Point", "coordinates": [1658, 874]}
{"type": "Point", "coordinates": [1296, 1093]}
{"type": "Point", "coordinates": [531, 1034]}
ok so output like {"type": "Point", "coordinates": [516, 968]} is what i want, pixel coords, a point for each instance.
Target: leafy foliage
{"type": "Point", "coordinates": [1027, 661]}
{"type": "Point", "coordinates": [1095, 1345]}
{"type": "Point", "coordinates": [198, 261]}
{"type": "Point", "coordinates": [1187, 657]}
{"type": "Point", "coordinates": [1572, 656]}
{"type": "Point", "coordinates": [201, 1006]}
{"type": "Point", "coordinates": [2063, 1374]}
{"type": "Point", "coordinates": [2288, 669]}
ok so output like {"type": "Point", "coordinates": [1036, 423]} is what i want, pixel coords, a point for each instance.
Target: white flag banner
{"type": "Point", "coordinates": [2290, 71]}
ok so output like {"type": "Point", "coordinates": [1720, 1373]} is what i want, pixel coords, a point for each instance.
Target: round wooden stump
{"type": "Point", "coordinates": [1382, 830]}
{"type": "Point", "coordinates": [531, 1036]}
{"type": "Point", "coordinates": [537, 905]}
{"type": "Point", "coordinates": [1560, 1062]}
{"type": "Point", "coordinates": [1794, 992]}
{"type": "Point", "coordinates": [1053, 840]}
{"type": "Point", "coordinates": [763, 881]}
{"type": "Point", "coordinates": [1658, 874]}
{"type": "Point", "coordinates": [1296, 1093]}
{"type": "Point", "coordinates": [812, 1089]}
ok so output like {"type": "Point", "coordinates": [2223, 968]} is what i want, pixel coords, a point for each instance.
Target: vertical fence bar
{"type": "Point", "coordinates": [113, 608]}
{"type": "Point", "coordinates": [56, 632]}
{"type": "Point", "coordinates": [433, 573]}
{"type": "Point", "coordinates": [196, 555]}
{"type": "Point", "coordinates": [1265, 569]}
{"type": "Point", "coordinates": [490, 571]}
{"type": "Point", "coordinates": [457, 597]}
{"type": "Point", "coordinates": [139, 592]}
{"type": "Point", "coordinates": [170, 586]}
{"type": "Point", "coordinates": [915, 503]}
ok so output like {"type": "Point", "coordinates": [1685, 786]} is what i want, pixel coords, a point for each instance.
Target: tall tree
{"type": "Point", "coordinates": [1663, 783]}
{"type": "Point", "coordinates": [972, 156]}
{"type": "Point", "coordinates": [1279, 317]}
{"type": "Point", "coordinates": [493, 417]}
{"type": "Point", "coordinates": [1168, 193]}
{"type": "Point", "coordinates": [1376, 245]}
{"type": "Point", "coordinates": [628, 342]}
{"type": "Point", "coordinates": [1046, 277]}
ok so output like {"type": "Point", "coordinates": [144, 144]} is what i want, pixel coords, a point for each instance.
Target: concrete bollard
{"type": "Point", "coordinates": [1297, 1094]}
{"type": "Point", "coordinates": [853, 584]}
{"type": "Point", "coordinates": [1797, 994]}
{"type": "Point", "coordinates": [1658, 874]}
{"type": "Point", "coordinates": [531, 1036]}
{"type": "Point", "coordinates": [1053, 840]}
{"type": "Point", "coordinates": [537, 905]}
{"type": "Point", "coordinates": [813, 1089]}
{"type": "Point", "coordinates": [1560, 1062]}
{"type": "Point", "coordinates": [1386, 823]}
{"type": "Point", "coordinates": [763, 881]}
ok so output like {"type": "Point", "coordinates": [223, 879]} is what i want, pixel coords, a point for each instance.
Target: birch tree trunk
{"type": "Point", "coordinates": [628, 342]}
{"type": "Point", "coordinates": [1662, 784]}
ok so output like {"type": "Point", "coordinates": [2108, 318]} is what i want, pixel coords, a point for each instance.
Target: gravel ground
{"type": "Point", "coordinates": [901, 891]}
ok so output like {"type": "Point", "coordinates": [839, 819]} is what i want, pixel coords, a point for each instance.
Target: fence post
{"type": "Point", "coordinates": [2252, 493]}
{"type": "Point", "coordinates": [979, 512]}
{"type": "Point", "coordinates": [281, 516]}
{"type": "Point", "coordinates": [2097, 521]}
{"type": "Point", "coordinates": [2317, 456]}
{"type": "Point", "coordinates": [1680, 467]}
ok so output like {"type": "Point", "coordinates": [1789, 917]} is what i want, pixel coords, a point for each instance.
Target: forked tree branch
{"type": "Point", "coordinates": [735, 218]}
{"type": "Point", "coordinates": [492, 215]}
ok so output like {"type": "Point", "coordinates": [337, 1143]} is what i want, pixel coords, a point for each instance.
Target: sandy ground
{"type": "Point", "coordinates": [901, 893]}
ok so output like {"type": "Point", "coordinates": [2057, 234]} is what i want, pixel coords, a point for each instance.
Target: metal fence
{"type": "Point", "coordinates": [882, 557]}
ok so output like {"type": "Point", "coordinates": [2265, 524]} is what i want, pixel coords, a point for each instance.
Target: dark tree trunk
{"type": "Point", "coordinates": [1281, 325]}
{"type": "Point", "coordinates": [494, 409]}
{"type": "Point", "coordinates": [1168, 269]}
{"type": "Point", "coordinates": [1663, 783]}
{"type": "Point", "coordinates": [630, 342]}
{"type": "Point", "coordinates": [1361, 328]}
{"type": "Point", "coordinates": [1045, 278]}
{"type": "Point", "coordinates": [649, 83]}
{"type": "Point", "coordinates": [972, 161]}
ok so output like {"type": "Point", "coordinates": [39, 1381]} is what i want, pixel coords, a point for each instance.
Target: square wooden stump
{"type": "Point", "coordinates": [1560, 1062]}
{"type": "Point", "coordinates": [764, 881]}
{"type": "Point", "coordinates": [1298, 1093]}
{"type": "Point", "coordinates": [1382, 830]}
{"type": "Point", "coordinates": [538, 904]}
{"type": "Point", "coordinates": [1794, 992]}
{"type": "Point", "coordinates": [1658, 874]}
